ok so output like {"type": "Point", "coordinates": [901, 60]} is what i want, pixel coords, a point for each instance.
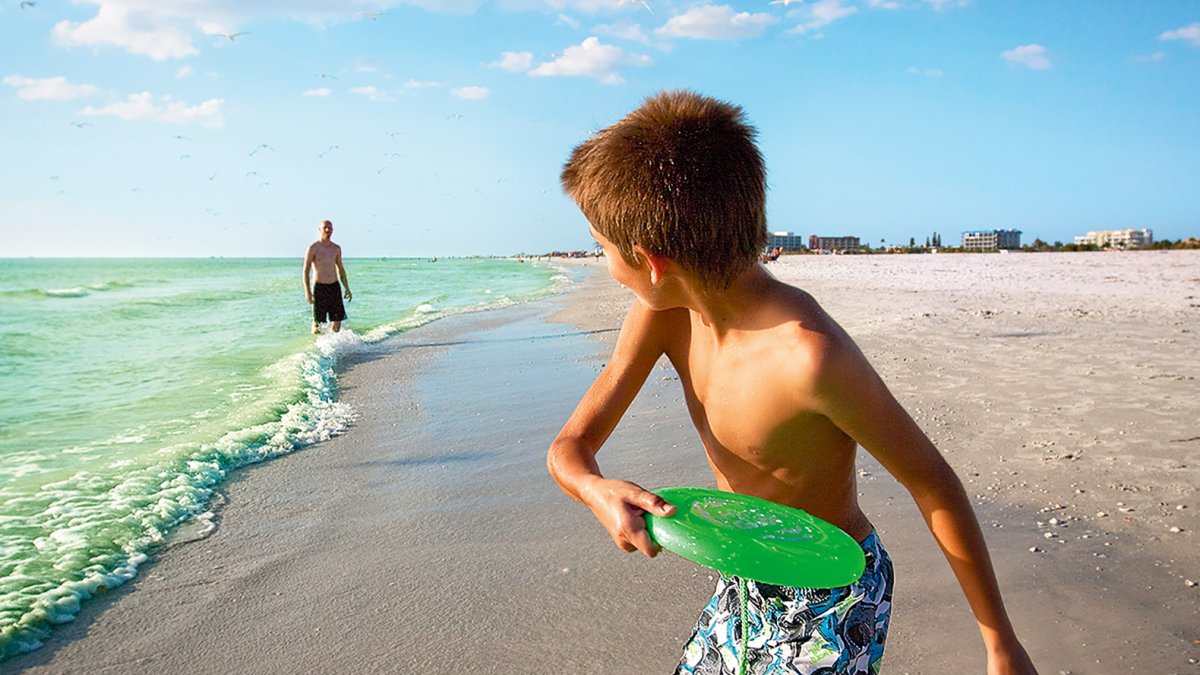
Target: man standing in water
{"type": "Point", "coordinates": [326, 294]}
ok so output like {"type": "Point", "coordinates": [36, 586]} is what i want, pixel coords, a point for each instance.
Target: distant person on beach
{"type": "Point", "coordinates": [325, 295]}
{"type": "Point", "coordinates": [779, 394]}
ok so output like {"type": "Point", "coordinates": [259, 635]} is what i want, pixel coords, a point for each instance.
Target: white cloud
{"type": "Point", "coordinates": [423, 84]}
{"type": "Point", "coordinates": [591, 58]}
{"type": "Point", "coordinates": [716, 22]}
{"type": "Point", "coordinates": [48, 88]}
{"type": "Point", "coordinates": [1032, 56]}
{"type": "Point", "coordinates": [164, 109]}
{"type": "Point", "coordinates": [319, 91]}
{"type": "Point", "coordinates": [471, 93]}
{"type": "Point", "coordinates": [1148, 58]}
{"type": "Point", "coordinates": [624, 30]}
{"type": "Point", "coordinates": [371, 92]}
{"type": "Point", "coordinates": [884, 4]}
{"type": "Point", "coordinates": [939, 5]}
{"type": "Point", "coordinates": [125, 24]}
{"type": "Point", "coordinates": [822, 14]}
{"type": "Point", "coordinates": [517, 62]}
{"type": "Point", "coordinates": [1189, 33]}
{"type": "Point", "coordinates": [184, 72]}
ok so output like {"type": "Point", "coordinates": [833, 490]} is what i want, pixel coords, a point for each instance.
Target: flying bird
{"type": "Point", "coordinates": [372, 15]}
{"type": "Point", "coordinates": [392, 154]}
{"type": "Point", "coordinates": [180, 137]}
{"type": "Point", "coordinates": [231, 36]}
{"type": "Point", "coordinates": [380, 170]}
{"type": "Point", "coordinates": [80, 125]}
{"type": "Point", "coordinates": [326, 75]}
{"type": "Point", "coordinates": [641, 2]}
{"type": "Point", "coordinates": [326, 151]}
{"type": "Point", "coordinates": [455, 116]}
{"type": "Point", "coordinates": [248, 174]}
{"type": "Point", "coordinates": [260, 146]}
{"type": "Point", "coordinates": [184, 156]}
{"type": "Point", "coordinates": [26, 4]}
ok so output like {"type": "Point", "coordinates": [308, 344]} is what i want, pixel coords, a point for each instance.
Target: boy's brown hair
{"type": "Point", "coordinates": [681, 177]}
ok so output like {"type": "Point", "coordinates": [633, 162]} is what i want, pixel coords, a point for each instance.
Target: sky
{"type": "Point", "coordinates": [439, 127]}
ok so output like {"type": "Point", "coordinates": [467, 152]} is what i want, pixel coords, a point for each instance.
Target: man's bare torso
{"type": "Point", "coordinates": [751, 399]}
{"type": "Point", "coordinates": [325, 256]}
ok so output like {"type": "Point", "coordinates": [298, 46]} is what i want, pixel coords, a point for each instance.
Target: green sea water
{"type": "Point", "coordinates": [129, 388]}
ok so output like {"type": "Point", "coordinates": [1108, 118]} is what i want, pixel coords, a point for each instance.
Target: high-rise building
{"type": "Point", "coordinates": [786, 241]}
{"type": "Point", "coordinates": [1129, 238]}
{"type": "Point", "coordinates": [991, 240]}
{"type": "Point", "coordinates": [819, 244]}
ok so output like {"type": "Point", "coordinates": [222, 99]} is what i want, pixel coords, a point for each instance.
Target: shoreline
{"type": "Point", "coordinates": [429, 538]}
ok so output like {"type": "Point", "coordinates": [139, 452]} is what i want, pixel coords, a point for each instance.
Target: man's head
{"type": "Point", "coordinates": [326, 230]}
{"type": "Point", "coordinates": [681, 177]}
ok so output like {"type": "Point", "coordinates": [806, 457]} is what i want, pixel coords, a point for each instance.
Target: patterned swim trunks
{"type": "Point", "coordinates": [797, 631]}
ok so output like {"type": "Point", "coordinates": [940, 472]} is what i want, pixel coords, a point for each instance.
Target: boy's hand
{"type": "Point", "coordinates": [619, 506]}
{"type": "Point", "coordinates": [308, 297]}
{"type": "Point", "coordinates": [349, 295]}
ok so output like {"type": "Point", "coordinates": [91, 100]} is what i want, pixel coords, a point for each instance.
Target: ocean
{"type": "Point", "coordinates": [130, 388]}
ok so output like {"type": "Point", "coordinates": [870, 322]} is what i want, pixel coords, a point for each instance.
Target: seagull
{"type": "Point", "coordinates": [184, 156]}
{"type": "Point", "coordinates": [179, 137]}
{"type": "Point", "coordinates": [26, 4]}
{"type": "Point", "coordinates": [641, 2]}
{"type": "Point", "coordinates": [394, 134]}
{"type": "Point", "coordinates": [380, 170]}
{"type": "Point", "coordinates": [326, 75]}
{"type": "Point", "coordinates": [231, 36]}
{"type": "Point", "coordinates": [392, 154]}
{"type": "Point", "coordinates": [212, 176]}
{"type": "Point", "coordinates": [326, 151]}
{"type": "Point", "coordinates": [455, 116]}
{"type": "Point", "coordinates": [373, 15]}
{"type": "Point", "coordinates": [248, 174]}
{"type": "Point", "coordinates": [260, 146]}
{"type": "Point", "coordinates": [80, 125]}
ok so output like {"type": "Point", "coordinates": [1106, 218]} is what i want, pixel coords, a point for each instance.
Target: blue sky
{"type": "Point", "coordinates": [427, 127]}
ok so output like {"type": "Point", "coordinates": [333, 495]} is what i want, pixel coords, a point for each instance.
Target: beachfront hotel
{"type": "Point", "coordinates": [1129, 238]}
{"type": "Point", "coordinates": [991, 240]}
{"type": "Point", "coordinates": [786, 241]}
{"type": "Point", "coordinates": [818, 244]}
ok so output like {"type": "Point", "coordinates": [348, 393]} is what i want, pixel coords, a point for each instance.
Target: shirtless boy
{"type": "Point", "coordinates": [326, 294]}
{"type": "Point", "coordinates": [779, 393]}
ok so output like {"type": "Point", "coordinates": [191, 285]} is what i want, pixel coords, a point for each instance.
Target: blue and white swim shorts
{"type": "Point", "coordinates": [796, 631]}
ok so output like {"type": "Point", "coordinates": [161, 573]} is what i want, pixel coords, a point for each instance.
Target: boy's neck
{"type": "Point", "coordinates": [724, 309]}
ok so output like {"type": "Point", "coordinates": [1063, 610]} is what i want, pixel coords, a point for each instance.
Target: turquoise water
{"type": "Point", "coordinates": [129, 388]}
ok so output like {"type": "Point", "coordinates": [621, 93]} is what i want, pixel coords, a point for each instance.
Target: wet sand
{"type": "Point", "coordinates": [429, 538]}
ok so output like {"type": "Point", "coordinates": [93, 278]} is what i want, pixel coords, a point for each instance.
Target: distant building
{"type": "Point", "coordinates": [991, 240]}
{"type": "Point", "coordinates": [1117, 238]}
{"type": "Point", "coordinates": [819, 244]}
{"type": "Point", "coordinates": [786, 241]}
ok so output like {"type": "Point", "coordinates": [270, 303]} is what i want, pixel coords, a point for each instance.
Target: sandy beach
{"type": "Point", "coordinates": [430, 539]}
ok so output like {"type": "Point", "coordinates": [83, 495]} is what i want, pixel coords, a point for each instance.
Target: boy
{"type": "Point", "coordinates": [325, 295]}
{"type": "Point", "coordinates": [780, 395]}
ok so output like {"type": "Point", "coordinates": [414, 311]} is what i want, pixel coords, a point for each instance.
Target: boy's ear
{"type": "Point", "coordinates": [657, 263]}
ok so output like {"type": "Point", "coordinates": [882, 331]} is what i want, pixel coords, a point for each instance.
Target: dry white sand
{"type": "Point", "coordinates": [429, 539]}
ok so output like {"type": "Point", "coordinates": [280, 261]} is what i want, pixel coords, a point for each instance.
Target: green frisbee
{"type": "Point", "coordinates": [749, 537]}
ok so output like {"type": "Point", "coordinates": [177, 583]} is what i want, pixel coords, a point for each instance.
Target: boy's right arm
{"type": "Point", "coordinates": [618, 505]}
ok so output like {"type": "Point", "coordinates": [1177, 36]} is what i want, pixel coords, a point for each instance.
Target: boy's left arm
{"type": "Point", "coordinates": [851, 394]}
